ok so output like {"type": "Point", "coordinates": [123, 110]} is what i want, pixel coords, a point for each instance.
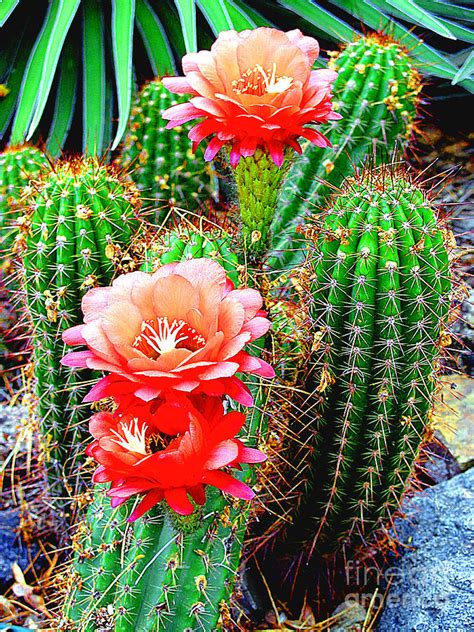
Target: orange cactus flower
{"type": "Point", "coordinates": [254, 89]}
{"type": "Point", "coordinates": [182, 329]}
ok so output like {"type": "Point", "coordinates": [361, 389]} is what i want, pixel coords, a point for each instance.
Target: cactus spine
{"type": "Point", "coordinates": [160, 161]}
{"type": "Point", "coordinates": [163, 573]}
{"type": "Point", "coordinates": [78, 219]}
{"type": "Point", "coordinates": [381, 285]}
{"type": "Point", "coordinates": [377, 92]}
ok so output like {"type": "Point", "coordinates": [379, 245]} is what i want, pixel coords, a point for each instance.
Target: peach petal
{"type": "Point", "coordinates": [174, 296]}
{"type": "Point", "coordinates": [231, 317]}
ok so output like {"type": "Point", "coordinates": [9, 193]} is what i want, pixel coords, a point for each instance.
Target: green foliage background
{"type": "Point", "coordinates": [71, 66]}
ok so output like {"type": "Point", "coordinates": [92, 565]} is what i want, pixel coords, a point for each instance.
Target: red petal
{"type": "Point", "coordinates": [178, 500]}
{"type": "Point", "coordinates": [228, 484]}
{"type": "Point", "coordinates": [150, 499]}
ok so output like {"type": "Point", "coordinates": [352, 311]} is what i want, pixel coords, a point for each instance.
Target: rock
{"type": "Point", "coordinates": [438, 463]}
{"type": "Point", "coordinates": [454, 418]}
{"type": "Point", "coordinates": [433, 580]}
{"type": "Point", "coordinates": [11, 547]}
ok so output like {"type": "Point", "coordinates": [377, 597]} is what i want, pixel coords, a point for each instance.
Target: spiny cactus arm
{"type": "Point", "coordinates": [77, 218]}
{"type": "Point", "coordinates": [381, 288]}
{"type": "Point", "coordinates": [161, 161]}
{"type": "Point", "coordinates": [377, 94]}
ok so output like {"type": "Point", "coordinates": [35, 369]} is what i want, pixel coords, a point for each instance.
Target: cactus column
{"type": "Point", "coordinates": [78, 220]}
{"type": "Point", "coordinates": [161, 162]}
{"type": "Point", "coordinates": [377, 93]}
{"type": "Point", "coordinates": [381, 288]}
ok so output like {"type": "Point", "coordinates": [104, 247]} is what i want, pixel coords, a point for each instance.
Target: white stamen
{"type": "Point", "coordinates": [134, 437]}
{"type": "Point", "coordinates": [165, 339]}
{"type": "Point", "coordinates": [272, 84]}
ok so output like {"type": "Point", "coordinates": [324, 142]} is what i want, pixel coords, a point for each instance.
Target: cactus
{"type": "Point", "coordinates": [381, 286]}
{"type": "Point", "coordinates": [78, 219]}
{"type": "Point", "coordinates": [187, 241]}
{"type": "Point", "coordinates": [161, 162]}
{"type": "Point", "coordinates": [377, 92]}
{"type": "Point", "coordinates": [17, 166]}
{"type": "Point", "coordinates": [163, 572]}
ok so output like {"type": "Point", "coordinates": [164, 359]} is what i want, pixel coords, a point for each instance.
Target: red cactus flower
{"type": "Point", "coordinates": [141, 458]}
{"type": "Point", "coordinates": [181, 329]}
{"type": "Point", "coordinates": [254, 89]}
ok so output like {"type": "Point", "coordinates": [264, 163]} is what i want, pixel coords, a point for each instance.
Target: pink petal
{"type": "Point", "coordinates": [238, 391]}
{"type": "Point", "coordinates": [315, 137]}
{"type": "Point", "coordinates": [178, 85]}
{"type": "Point", "coordinates": [218, 370]}
{"type": "Point", "coordinates": [212, 149]}
{"type": "Point", "coordinates": [77, 359]}
{"type": "Point", "coordinates": [181, 112]}
{"type": "Point", "coordinates": [276, 152]}
{"type": "Point", "coordinates": [257, 327]}
{"type": "Point", "coordinates": [222, 455]}
{"type": "Point", "coordinates": [228, 484]}
{"type": "Point", "coordinates": [73, 335]}
{"type": "Point", "coordinates": [251, 455]}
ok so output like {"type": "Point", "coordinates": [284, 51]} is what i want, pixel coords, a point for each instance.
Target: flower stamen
{"type": "Point", "coordinates": [257, 81]}
{"type": "Point", "coordinates": [133, 437]}
{"type": "Point", "coordinates": [159, 336]}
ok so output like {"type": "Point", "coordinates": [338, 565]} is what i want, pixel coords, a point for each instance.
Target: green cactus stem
{"type": "Point", "coordinates": [380, 288]}
{"type": "Point", "coordinates": [377, 93]}
{"type": "Point", "coordinates": [18, 165]}
{"type": "Point", "coordinates": [79, 219]}
{"type": "Point", "coordinates": [161, 162]}
{"type": "Point", "coordinates": [258, 182]}
{"type": "Point", "coordinates": [164, 573]}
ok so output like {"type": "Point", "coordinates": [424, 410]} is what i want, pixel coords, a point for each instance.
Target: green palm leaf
{"type": "Point", "coordinates": [64, 16]}
{"type": "Point", "coordinates": [187, 16]}
{"type": "Point", "coordinates": [6, 9]}
{"type": "Point", "coordinates": [94, 77]}
{"type": "Point", "coordinates": [123, 13]}
{"type": "Point", "coordinates": [65, 99]}
{"type": "Point", "coordinates": [155, 40]}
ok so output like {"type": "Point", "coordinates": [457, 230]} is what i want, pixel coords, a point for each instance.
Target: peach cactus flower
{"type": "Point", "coordinates": [254, 89]}
{"type": "Point", "coordinates": [181, 329]}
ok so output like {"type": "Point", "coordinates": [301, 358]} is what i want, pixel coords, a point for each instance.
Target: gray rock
{"type": "Point", "coordinates": [11, 548]}
{"type": "Point", "coordinates": [433, 581]}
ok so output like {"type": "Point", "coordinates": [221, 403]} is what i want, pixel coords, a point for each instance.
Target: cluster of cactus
{"type": "Point", "coordinates": [164, 572]}
{"type": "Point", "coordinates": [79, 220]}
{"type": "Point", "coordinates": [356, 355]}
{"type": "Point", "coordinates": [162, 162]}
{"type": "Point", "coordinates": [377, 93]}
{"type": "Point", "coordinates": [379, 285]}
